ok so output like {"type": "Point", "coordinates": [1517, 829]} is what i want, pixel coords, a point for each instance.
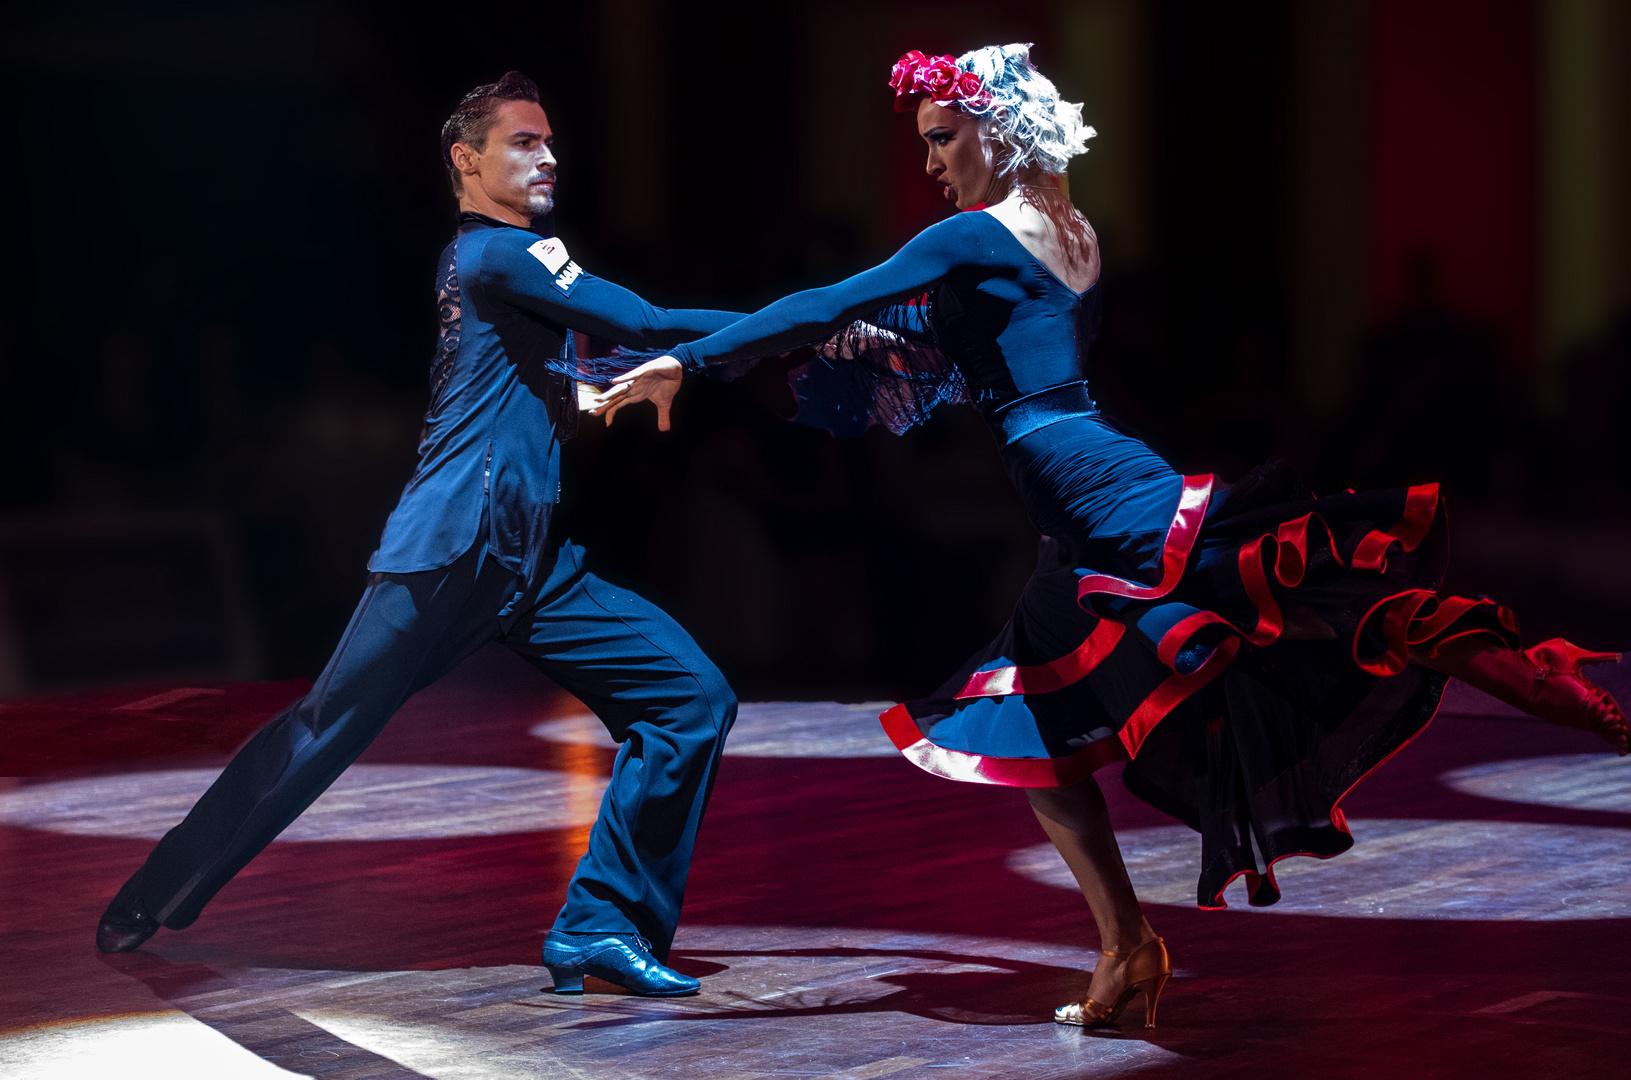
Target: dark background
{"type": "Point", "coordinates": [1386, 241]}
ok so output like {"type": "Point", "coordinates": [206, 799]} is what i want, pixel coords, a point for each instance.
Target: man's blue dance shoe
{"type": "Point", "coordinates": [624, 959]}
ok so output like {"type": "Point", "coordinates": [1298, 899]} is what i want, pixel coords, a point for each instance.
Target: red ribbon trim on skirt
{"type": "Point", "coordinates": [1008, 772]}
{"type": "Point", "coordinates": [1420, 508]}
{"type": "Point", "coordinates": [1175, 690]}
{"type": "Point", "coordinates": [1081, 661]}
{"type": "Point", "coordinates": [1054, 675]}
{"type": "Point", "coordinates": [1288, 558]}
{"type": "Point", "coordinates": [1418, 617]}
{"type": "Point", "coordinates": [1180, 541]}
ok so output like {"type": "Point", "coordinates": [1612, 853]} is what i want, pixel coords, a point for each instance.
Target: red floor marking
{"type": "Point", "coordinates": [170, 697]}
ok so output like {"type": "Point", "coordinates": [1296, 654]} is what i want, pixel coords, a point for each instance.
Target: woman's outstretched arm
{"type": "Point", "coordinates": [816, 314]}
{"type": "Point", "coordinates": [801, 318]}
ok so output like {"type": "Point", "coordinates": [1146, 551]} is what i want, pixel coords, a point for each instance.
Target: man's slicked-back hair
{"type": "Point", "coordinates": [474, 117]}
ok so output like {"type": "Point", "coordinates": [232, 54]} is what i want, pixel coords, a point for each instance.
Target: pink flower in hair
{"type": "Point", "coordinates": [903, 76]}
{"type": "Point", "coordinates": [971, 91]}
{"type": "Point", "coordinates": [916, 76]}
{"type": "Point", "coordinates": [939, 77]}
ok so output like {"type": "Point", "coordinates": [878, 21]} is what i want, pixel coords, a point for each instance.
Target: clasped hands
{"type": "Point", "coordinates": [656, 381]}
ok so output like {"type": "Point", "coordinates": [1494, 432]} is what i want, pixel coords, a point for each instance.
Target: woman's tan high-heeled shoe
{"type": "Point", "coordinates": [1146, 971]}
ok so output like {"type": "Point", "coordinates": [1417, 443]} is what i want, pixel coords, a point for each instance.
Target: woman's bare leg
{"type": "Point", "coordinates": [1077, 820]}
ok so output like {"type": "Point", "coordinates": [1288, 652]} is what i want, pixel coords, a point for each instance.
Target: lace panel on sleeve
{"type": "Point", "coordinates": [889, 371]}
{"type": "Point", "coordinates": [449, 315]}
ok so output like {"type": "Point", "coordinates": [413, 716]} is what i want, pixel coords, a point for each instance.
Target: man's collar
{"type": "Point", "coordinates": [543, 226]}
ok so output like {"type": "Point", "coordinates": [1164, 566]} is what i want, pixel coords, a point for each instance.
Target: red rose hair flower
{"type": "Point", "coordinates": [916, 76]}
{"type": "Point", "coordinates": [972, 92]}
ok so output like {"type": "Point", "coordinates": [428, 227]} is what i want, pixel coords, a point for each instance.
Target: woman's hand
{"type": "Point", "coordinates": [656, 381]}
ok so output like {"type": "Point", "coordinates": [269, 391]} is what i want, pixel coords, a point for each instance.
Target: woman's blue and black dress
{"type": "Point", "coordinates": [1243, 648]}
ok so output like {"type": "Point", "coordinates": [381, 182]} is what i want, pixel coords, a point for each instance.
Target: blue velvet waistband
{"type": "Point", "coordinates": [1033, 412]}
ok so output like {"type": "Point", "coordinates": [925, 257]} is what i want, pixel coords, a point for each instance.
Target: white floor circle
{"type": "Point", "coordinates": [1400, 869]}
{"type": "Point", "coordinates": [780, 1001]}
{"type": "Point", "coordinates": [368, 802]}
{"type": "Point", "coordinates": [1577, 781]}
{"type": "Point", "coordinates": [767, 729]}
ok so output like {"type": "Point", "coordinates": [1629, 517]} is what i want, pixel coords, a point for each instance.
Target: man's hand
{"type": "Point", "coordinates": [656, 381]}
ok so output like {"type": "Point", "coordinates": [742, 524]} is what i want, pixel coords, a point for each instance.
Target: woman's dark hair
{"type": "Point", "coordinates": [473, 119]}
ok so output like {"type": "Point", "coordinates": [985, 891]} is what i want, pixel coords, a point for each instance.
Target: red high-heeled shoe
{"type": "Point", "coordinates": [1560, 694]}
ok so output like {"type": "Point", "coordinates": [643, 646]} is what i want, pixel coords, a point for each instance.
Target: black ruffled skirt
{"type": "Point", "coordinates": [1248, 661]}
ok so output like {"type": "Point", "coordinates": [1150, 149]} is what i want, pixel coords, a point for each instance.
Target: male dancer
{"type": "Point", "coordinates": [466, 559]}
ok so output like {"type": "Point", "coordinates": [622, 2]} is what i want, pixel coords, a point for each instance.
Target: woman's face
{"type": "Point", "coordinates": [959, 159]}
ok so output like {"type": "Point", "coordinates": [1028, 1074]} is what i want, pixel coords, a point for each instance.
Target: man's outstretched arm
{"type": "Point", "coordinates": [537, 276]}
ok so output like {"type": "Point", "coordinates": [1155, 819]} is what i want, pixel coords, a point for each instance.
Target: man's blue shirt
{"type": "Point", "coordinates": [509, 300]}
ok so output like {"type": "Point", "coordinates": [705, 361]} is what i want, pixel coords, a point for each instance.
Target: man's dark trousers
{"type": "Point", "coordinates": [656, 692]}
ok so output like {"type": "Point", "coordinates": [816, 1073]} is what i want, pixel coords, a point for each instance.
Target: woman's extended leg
{"type": "Point", "coordinates": [1544, 681]}
{"type": "Point", "coordinates": [1077, 820]}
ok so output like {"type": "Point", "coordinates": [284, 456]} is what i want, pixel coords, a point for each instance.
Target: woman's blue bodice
{"type": "Point", "coordinates": [999, 330]}
{"type": "Point", "coordinates": [1011, 327]}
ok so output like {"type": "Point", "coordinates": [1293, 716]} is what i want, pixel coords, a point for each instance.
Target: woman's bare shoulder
{"type": "Point", "coordinates": [1078, 268]}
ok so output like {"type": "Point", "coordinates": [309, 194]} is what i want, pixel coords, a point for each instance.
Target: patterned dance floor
{"type": "Point", "coordinates": [849, 916]}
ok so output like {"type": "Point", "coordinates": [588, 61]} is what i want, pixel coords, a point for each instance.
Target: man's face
{"type": "Point", "coordinates": [517, 169]}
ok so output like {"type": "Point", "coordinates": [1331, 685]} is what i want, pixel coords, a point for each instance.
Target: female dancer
{"type": "Point", "coordinates": [1250, 651]}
